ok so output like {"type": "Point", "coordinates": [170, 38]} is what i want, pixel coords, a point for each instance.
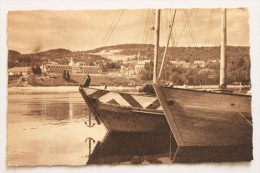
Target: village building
{"type": "Point", "coordinates": [129, 73]}
{"type": "Point", "coordinates": [19, 71]}
{"type": "Point", "coordinates": [212, 61]}
{"type": "Point", "coordinates": [72, 67]}
{"type": "Point", "coordinates": [180, 63]}
{"type": "Point", "coordinates": [199, 63]}
{"type": "Point", "coordinates": [140, 65]}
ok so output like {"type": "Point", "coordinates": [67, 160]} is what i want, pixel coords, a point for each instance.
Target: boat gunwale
{"type": "Point", "coordinates": [133, 109]}
{"type": "Point", "coordinates": [186, 89]}
{"type": "Point", "coordinates": [119, 92]}
{"type": "Point", "coordinates": [208, 92]}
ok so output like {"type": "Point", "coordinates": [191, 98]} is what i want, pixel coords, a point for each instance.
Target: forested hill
{"type": "Point", "coordinates": [173, 53]}
{"type": "Point", "coordinates": [62, 56]}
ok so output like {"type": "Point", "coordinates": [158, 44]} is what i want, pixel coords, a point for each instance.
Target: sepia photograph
{"type": "Point", "coordinates": [112, 87]}
{"type": "Point", "coordinates": [123, 87]}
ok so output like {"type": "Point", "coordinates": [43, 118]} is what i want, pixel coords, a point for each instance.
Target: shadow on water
{"type": "Point", "coordinates": [133, 148]}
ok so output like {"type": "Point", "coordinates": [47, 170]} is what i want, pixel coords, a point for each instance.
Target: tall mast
{"type": "Point", "coordinates": [157, 31]}
{"type": "Point", "coordinates": [222, 81]}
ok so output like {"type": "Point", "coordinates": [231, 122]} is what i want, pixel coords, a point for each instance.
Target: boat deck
{"type": "Point", "coordinates": [207, 133]}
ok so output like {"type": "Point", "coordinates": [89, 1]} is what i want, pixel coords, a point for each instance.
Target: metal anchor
{"type": "Point", "coordinates": [89, 140]}
{"type": "Point", "coordinates": [89, 120]}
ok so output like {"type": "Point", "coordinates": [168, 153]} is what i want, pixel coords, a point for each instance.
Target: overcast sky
{"type": "Point", "coordinates": [34, 31]}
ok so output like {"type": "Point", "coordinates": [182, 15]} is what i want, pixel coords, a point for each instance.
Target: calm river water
{"type": "Point", "coordinates": [48, 128]}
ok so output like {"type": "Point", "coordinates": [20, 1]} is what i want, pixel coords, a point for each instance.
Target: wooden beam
{"type": "Point", "coordinates": [169, 116]}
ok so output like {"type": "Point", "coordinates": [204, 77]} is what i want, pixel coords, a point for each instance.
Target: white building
{"type": "Point", "coordinates": [129, 73]}
{"type": "Point", "coordinates": [200, 63]}
{"type": "Point", "coordinates": [212, 61]}
{"type": "Point", "coordinates": [140, 65]}
{"type": "Point", "coordinates": [72, 67]}
{"type": "Point", "coordinates": [19, 70]}
{"type": "Point", "coordinates": [180, 63]}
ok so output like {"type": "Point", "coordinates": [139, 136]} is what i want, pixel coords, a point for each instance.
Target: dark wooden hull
{"type": "Point", "coordinates": [120, 118]}
{"type": "Point", "coordinates": [210, 100]}
{"type": "Point", "coordinates": [208, 126]}
{"type": "Point", "coordinates": [131, 120]}
{"type": "Point", "coordinates": [126, 113]}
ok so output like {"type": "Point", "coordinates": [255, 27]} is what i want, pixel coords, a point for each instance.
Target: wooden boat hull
{"type": "Point", "coordinates": [134, 113]}
{"type": "Point", "coordinates": [208, 126]}
{"type": "Point", "coordinates": [121, 112]}
{"type": "Point", "coordinates": [210, 99]}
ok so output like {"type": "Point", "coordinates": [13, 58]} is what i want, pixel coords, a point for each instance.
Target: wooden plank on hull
{"type": "Point", "coordinates": [168, 114]}
{"type": "Point", "coordinates": [91, 107]}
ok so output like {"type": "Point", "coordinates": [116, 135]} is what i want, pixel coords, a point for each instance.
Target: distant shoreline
{"type": "Point", "coordinates": [69, 89]}
{"type": "Point", "coordinates": [74, 89]}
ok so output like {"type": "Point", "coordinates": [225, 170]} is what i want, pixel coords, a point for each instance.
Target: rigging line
{"type": "Point", "coordinates": [110, 27]}
{"type": "Point", "coordinates": [206, 40]}
{"type": "Point", "coordinates": [171, 41]}
{"type": "Point", "coordinates": [245, 17]}
{"type": "Point", "coordinates": [150, 34]}
{"type": "Point", "coordinates": [245, 118]}
{"type": "Point", "coordinates": [170, 148]}
{"type": "Point", "coordinates": [181, 19]}
{"type": "Point", "coordinates": [208, 31]}
{"type": "Point", "coordinates": [210, 39]}
{"type": "Point", "coordinates": [206, 37]}
{"type": "Point", "coordinates": [111, 31]}
{"type": "Point", "coordinates": [174, 35]}
{"type": "Point", "coordinates": [191, 30]}
{"type": "Point", "coordinates": [210, 28]}
{"type": "Point", "coordinates": [175, 155]}
{"type": "Point", "coordinates": [167, 23]}
{"type": "Point", "coordinates": [146, 23]}
{"type": "Point", "coordinates": [189, 42]}
{"type": "Point", "coordinates": [146, 27]}
{"type": "Point", "coordinates": [115, 26]}
{"type": "Point", "coordinates": [216, 39]}
{"type": "Point", "coordinates": [165, 51]}
{"type": "Point", "coordinates": [150, 24]}
{"type": "Point", "coordinates": [217, 35]}
{"type": "Point", "coordinates": [186, 29]}
{"type": "Point", "coordinates": [184, 26]}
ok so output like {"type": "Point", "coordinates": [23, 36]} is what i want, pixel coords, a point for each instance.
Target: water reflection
{"type": "Point", "coordinates": [58, 107]}
{"type": "Point", "coordinates": [133, 148]}
{"type": "Point", "coordinates": [49, 129]}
